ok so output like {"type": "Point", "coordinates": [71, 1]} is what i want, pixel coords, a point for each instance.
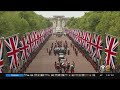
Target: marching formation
{"type": "Point", "coordinates": [65, 67]}
{"type": "Point", "coordinates": [20, 52]}
{"type": "Point", "coordinates": [61, 48]}
{"type": "Point", "coordinates": [92, 45]}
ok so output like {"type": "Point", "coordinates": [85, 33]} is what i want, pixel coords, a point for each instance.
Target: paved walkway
{"type": "Point", "coordinates": [43, 63]}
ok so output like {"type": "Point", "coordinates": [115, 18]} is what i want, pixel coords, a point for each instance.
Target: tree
{"type": "Point", "coordinates": [100, 22]}
{"type": "Point", "coordinates": [12, 22]}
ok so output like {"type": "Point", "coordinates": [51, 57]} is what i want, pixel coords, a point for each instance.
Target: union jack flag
{"type": "Point", "coordinates": [24, 48]}
{"type": "Point", "coordinates": [97, 46]}
{"type": "Point", "coordinates": [40, 37]}
{"type": "Point", "coordinates": [85, 39]}
{"type": "Point", "coordinates": [43, 36]}
{"type": "Point", "coordinates": [79, 38]}
{"type": "Point", "coordinates": [12, 46]}
{"type": "Point", "coordinates": [82, 37]}
{"type": "Point", "coordinates": [75, 35]}
{"type": "Point", "coordinates": [111, 50]}
{"type": "Point", "coordinates": [35, 39]}
{"type": "Point", "coordinates": [30, 42]}
{"type": "Point", "coordinates": [89, 42]}
{"type": "Point", "coordinates": [1, 54]}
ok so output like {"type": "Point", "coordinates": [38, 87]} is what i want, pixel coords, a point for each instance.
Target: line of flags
{"type": "Point", "coordinates": [1, 54]}
{"type": "Point", "coordinates": [29, 42]}
{"type": "Point", "coordinates": [20, 49]}
{"type": "Point", "coordinates": [93, 44]}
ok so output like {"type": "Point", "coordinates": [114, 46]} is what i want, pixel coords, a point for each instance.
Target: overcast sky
{"type": "Point", "coordinates": [63, 13]}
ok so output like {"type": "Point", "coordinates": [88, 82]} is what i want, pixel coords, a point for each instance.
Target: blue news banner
{"type": "Point", "coordinates": [81, 75]}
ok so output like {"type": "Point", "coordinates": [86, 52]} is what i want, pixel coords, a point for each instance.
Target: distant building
{"type": "Point", "coordinates": [59, 23]}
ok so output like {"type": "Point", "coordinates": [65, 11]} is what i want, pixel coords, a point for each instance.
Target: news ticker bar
{"type": "Point", "coordinates": [61, 75]}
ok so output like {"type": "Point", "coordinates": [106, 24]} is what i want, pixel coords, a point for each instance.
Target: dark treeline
{"type": "Point", "coordinates": [100, 22]}
{"type": "Point", "coordinates": [12, 22]}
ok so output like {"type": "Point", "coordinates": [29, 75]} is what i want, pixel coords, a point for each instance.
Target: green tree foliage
{"type": "Point", "coordinates": [12, 22]}
{"type": "Point", "coordinates": [100, 22]}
